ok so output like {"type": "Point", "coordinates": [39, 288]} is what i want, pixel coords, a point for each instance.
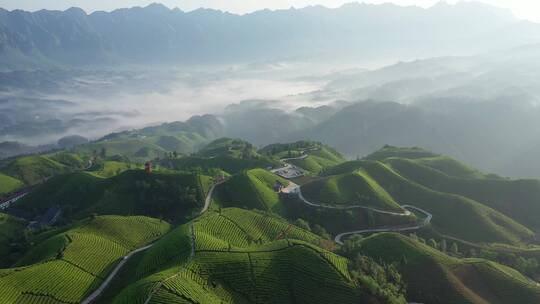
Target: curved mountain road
{"type": "Point", "coordinates": [293, 188]}
{"type": "Point", "coordinates": [94, 295]}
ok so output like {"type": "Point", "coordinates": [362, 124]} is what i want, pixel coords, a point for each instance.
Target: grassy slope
{"type": "Point", "coordinates": [357, 188]}
{"type": "Point", "coordinates": [434, 277]}
{"type": "Point", "coordinates": [112, 168]}
{"type": "Point", "coordinates": [10, 228]}
{"type": "Point", "coordinates": [390, 151]}
{"type": "Point", "coordinates": [516, 198]}
{"type": "Point", "coordinates": [229, 164]}
{"type": "Point", "coordinates": [477, 222]}
{"type": "Point", "coordinates": [252, 189]}
{"type": "Point", "coordinates": [239, 260]}
{"type": "Point", "coordinates": [172, 196]}
{"type": "Point", "coordinates": [9, 184]}
{"type": "Point", "coordinates": [34, 169]}
{"type": "Point", "coordinates": [89, 252]}
{"type": "Point", "coordinates": [319, 160]}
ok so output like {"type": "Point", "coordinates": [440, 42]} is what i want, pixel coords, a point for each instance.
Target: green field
{"type": "Point", "coordinates": [227, 163]}
{"type": "Point", "coordinates": [357, 188]}
{"type": "Point", "coordinates": [251, 189]}
{"type": "Point", "coordinates": [319, 160]}
{"type": "Point", "coordinates": [238, 259]}
{"type": "Point", "coordinates": [37, 168]}
{"type": "Point", "coordinates": [9, 184]}
{"type": "Point", "coordinates": [517, 199]}
{"type": "Point", "coordinates": [68, 266]}
{"type": "Point", "coordinates": [11, 238]}
{"type": "Point", "coordinates": [434, 277]}
{"type": "Point", "coordinates": [111, 168]}
{"type": "Point", "coordinates": [171, 196]}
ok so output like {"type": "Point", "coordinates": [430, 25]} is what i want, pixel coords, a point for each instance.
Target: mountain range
{"type": "Point", "coordinates": [158, 35]}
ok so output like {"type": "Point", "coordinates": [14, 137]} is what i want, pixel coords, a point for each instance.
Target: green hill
{"type": "Point", "coordinates": [434, 277]}
{"type": "Point", "coordinates": [9, 184]}
{"type": "Point", "coordinates": [319, 156]}
{"type": "Point", "coordinates": [69, 266]}
{"type": "Point", "coordinates": [110, 168]}
{"type": "Point", "coordinates": [172, 196]}
{"type": "Point", "coordinates": [252, 189]}
{"type": "Point", "coordinates": [158, 141]}
{"type": "Point", "coordinates": [11, 239]}
{"type": "Point", "coordinates": [391, 151]}
{"type": "Point", "coordinates": [36, 168]}
{"type": "Point", "coordinates": [229, 147]}
{"type": "Point", "coordinates": [238, 258]}
{"type": "Point", "coordinates": [517, 199]}
{"type": "Point", "coordinates": [478, 222]}
{"type": "Point", "coordinates": [289, 150]}
{"type": "Point", "coordinates": [229, 164]}
{"type": "Point", "coordinates": [319, 160]}
{"type": "Point", "coordinates": [357, 188]}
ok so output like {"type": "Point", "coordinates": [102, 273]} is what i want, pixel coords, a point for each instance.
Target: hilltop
{"type": "Point", "coordinates": [78, 260]}
{"type": "Point", "coordinates": [266, 267]}
{"type": "Point", "coordinates": [171, 196]}
{"type": "Point", "coordinates": [435, 277]}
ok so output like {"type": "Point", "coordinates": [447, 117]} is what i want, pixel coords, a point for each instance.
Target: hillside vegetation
{"type": "Point", "coordinates": [172, 196]}
{"type": "Point", "coordinates": [239, 257]}
{"type": "Point", "coordinates": [70, 265]}
{"type": "Point", "coordinates": [11, 238]}
{"type": "Point", "coordinates": [478, 223]}
{"type": "Point", "coordinates": [251, 189]}
{"type": "Point", "coordinates": [357, 188]}
{"type": "Point", "coordinates": [9, 184]}
{"type": "Point", "coordinates": [517, 199]}
{"type": "Point", "coordinates": [37, 168]}
{"type": "Point", "coordinates": [434, 277]}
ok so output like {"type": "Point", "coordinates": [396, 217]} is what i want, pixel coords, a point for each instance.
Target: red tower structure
{"type": "Point", "coordinates": [148, 167]}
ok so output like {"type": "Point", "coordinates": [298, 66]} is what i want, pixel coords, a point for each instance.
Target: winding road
{"type": "Point", "coordinates": [293, 188]}
{"type": "Point", "coordinates": [94, 295]}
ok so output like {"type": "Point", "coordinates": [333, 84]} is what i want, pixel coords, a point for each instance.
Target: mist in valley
{"type": "Point", "coordinates": [458, 93]}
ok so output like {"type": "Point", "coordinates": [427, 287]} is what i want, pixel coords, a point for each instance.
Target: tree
{"type": "Point", "coordinates": [302, 224]}
{"type": "Point", "coordinates": [103, 152]}
{"type": "Point", "coordinates": [454, 248]}
{"type": "Point", "coordinates": [175, 154]}
{"type": "Point", "coordinates": [443, 246]}
{"type": "Point", "coordinates": [432, 243]}
{"type": "Point", "coordinates": [320, 231]}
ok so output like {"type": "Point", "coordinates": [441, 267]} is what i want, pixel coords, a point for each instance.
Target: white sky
{"type": "Point", "coordinates": [526, 9]}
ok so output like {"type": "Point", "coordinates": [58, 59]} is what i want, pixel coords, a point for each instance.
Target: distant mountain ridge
{"type": "Point", "coordinates": [157, 34]}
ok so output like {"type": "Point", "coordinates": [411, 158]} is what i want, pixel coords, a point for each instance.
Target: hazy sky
{"type": "Point", "coordinates": [527, 9]}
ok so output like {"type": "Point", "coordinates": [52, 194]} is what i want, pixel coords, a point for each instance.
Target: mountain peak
{"type": "Point", "coordinates": [157, 7]}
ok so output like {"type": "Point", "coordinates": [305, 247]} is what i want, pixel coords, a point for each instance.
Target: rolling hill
{"type": "Point", "coordinates": [434, 277]}
{"type": "Point", "coordinates": [68, 266]}
{"type": "Point", "coordinates": [517, 199]}
{"type": "Point", "coordinates": [357, 188]}
{"type": "Point", "coordinates": [478, 222]}
{"type": "Point", "coordinates": [36, 168]}
{"type": "Point", "coordinates": [237, 256]}
{"type": "Point", "coordinates": [311, 156]}
{"type": "Point", "coordinates": [172, 196]}
{"type": "Point", "coordinates": [252, 189]}
{"type": "Point", "coordinates": [11, 239]}
{"type": "Point", "coordinates": [9, 184]}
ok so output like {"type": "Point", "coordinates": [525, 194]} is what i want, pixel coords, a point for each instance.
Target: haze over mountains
{"type": "Point", "coordinates": [283, 75]}
{"type": "Point", "coordinates": [158, 35]}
